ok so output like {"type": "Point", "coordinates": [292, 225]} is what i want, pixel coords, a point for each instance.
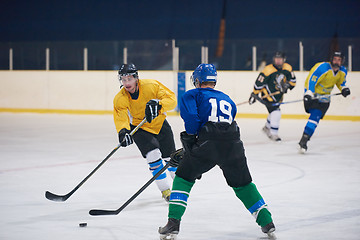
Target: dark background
{"type": "Point", "coordinates": [182, 19]}
{"type": "Point", "coordinates": [146, 28]}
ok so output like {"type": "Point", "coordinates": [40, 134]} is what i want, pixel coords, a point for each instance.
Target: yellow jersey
{"type": "Point", "coordinates": [132, 111]}
{"type": "Point", "coordinates": [322, 78]}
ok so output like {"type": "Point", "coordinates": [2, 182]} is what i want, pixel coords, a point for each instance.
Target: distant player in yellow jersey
{"type": "Point", "coordinates": [148, 98]}
{"type": "Point", "coordinates": [318, 86]}
{"type": "Point", "coordinates": [272, 83]}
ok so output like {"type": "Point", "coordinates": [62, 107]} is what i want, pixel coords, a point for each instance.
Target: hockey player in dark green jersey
{"type": "Point", "coordinates": [272, 83]}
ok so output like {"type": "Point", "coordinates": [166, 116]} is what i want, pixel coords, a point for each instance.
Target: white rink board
{"type": "Point", "coordinates": [95, 90]}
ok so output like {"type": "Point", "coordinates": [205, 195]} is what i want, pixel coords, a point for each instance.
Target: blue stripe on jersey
{"type": "Point", "coordinates": [178, 196]}
{"type": "Point", "coordinates": [343, 69]}
{"type": "Point", "coordinates": [319, 71]}
{"type": "Point", "coordinates": [256, 206]}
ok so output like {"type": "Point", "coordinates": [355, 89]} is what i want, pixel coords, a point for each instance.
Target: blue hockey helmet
{"type": "Point", "coordinates": [204, 73]}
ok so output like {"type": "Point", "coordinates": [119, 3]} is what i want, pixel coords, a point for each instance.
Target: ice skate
{"type": "Point", "coordinates": [269, 229]}
{"type": "Point", "coordinates": [170, 230]}
{"type": "Point", "coordinates": [266, 130]}
{"type": "Point", "coordinates": [303, 143]}
{"type": "Point", "coordinates": [166, 194]}
{"type": "Point", "coordinates": [273, 137]}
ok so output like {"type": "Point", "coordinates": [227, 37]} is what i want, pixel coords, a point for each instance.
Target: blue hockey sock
{"type": "Point", "coordinates": [315, 116]}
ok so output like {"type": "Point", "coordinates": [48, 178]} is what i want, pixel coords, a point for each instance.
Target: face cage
{"type": "Point", "coordinates": [135, 75]}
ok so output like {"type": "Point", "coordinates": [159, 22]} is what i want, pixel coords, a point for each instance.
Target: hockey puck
{"type": "Point", "coordinates": [83, 224]}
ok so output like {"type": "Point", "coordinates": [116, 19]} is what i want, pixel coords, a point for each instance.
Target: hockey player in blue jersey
{"type": "Point", "coordinates": [318, 86]}
{"type": "Point", "coordinates": [212, 137]}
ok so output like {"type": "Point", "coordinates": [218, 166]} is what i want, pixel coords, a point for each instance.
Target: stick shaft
{"type": "Point", "coordinates": [98, 212]}
{"type": "Point", "coordinates": [265, 96]}
{"type": "Point", "coordinates": [300, 100]}
{"type": "Point", "coordinates": [54, 197]}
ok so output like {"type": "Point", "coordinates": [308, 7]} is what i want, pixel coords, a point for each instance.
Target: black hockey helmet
{"type": "Point", "coordinates": [280, 54]}
{"type": "Point", "coordinates": [337, 54]}
{"type": "Point", "coordinates": [128, 69]}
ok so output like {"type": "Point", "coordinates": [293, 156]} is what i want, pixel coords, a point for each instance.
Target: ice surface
{"type": "Point", "coordinates": [311, 196]}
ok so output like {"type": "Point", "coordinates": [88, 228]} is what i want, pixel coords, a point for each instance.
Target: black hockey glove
{"type": "Point", "coordinates": [345, 92]}
{"type": "Point", "coordinates": [256, 97]}
{"type": "Point", "coordinates": [176, 157]}
{"type": "Point", "coordinates": [125, 138]}
{"type": "Point", "coordinates": [308, 99]}
{"type": "Point", "coordinates": [187, 140]}
{"type": "Point", "coordinates": [284, 87]}
{"type": "Point", "coordinates": [152, 110]}
{"type": "Point", "coordinates": [252, 98]}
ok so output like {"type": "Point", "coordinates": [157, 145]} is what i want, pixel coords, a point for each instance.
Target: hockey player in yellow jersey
{"type": "Point", "coordinates": [321, 80]}
{"type": "Point", "coordinates": [272, 83]}
{"type": "Point", "coordinates": [146, 98]}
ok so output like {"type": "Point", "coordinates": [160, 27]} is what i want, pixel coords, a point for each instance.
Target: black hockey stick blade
{"type": "Point", "coordinates": [57, 198]}
{"type": "Point", "coordinates": [99, 212]}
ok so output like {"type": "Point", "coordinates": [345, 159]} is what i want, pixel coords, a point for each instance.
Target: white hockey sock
{"type": "Point", "coordinates": [267, 124]}
{"type": "Point", "coordinates": [171, 170]}
{"type": "Point", "coordinates": [155, 163]}
{"type": "Point", "coordinates": [274, 118]}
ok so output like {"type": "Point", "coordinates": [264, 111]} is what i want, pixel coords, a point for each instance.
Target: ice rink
{"type": "Point", "coordinates": [311, 196]}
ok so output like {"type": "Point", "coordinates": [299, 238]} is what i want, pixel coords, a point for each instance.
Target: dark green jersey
{"type": "Point", "coordinates": [272, 80]}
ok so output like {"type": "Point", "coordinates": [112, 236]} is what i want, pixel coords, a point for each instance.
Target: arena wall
{"type": "Point", "coordinates": [92, 92]}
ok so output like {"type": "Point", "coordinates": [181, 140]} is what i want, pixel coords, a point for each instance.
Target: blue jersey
{"type": "Point", "coordinates": [200, 105]}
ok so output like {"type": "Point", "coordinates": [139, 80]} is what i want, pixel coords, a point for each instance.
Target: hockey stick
{"type": "Point", "coordinates": [62, 198]}
{"type": "Point", "coordinates": [265, 96]}
{"type": "Point", "coordinates": [98, 212]}
{"type": "Point", "coordinates": [300, 100]}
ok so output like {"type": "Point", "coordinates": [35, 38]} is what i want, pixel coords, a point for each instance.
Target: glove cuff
{"type": "Point", "coordinates": [309, 93]}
